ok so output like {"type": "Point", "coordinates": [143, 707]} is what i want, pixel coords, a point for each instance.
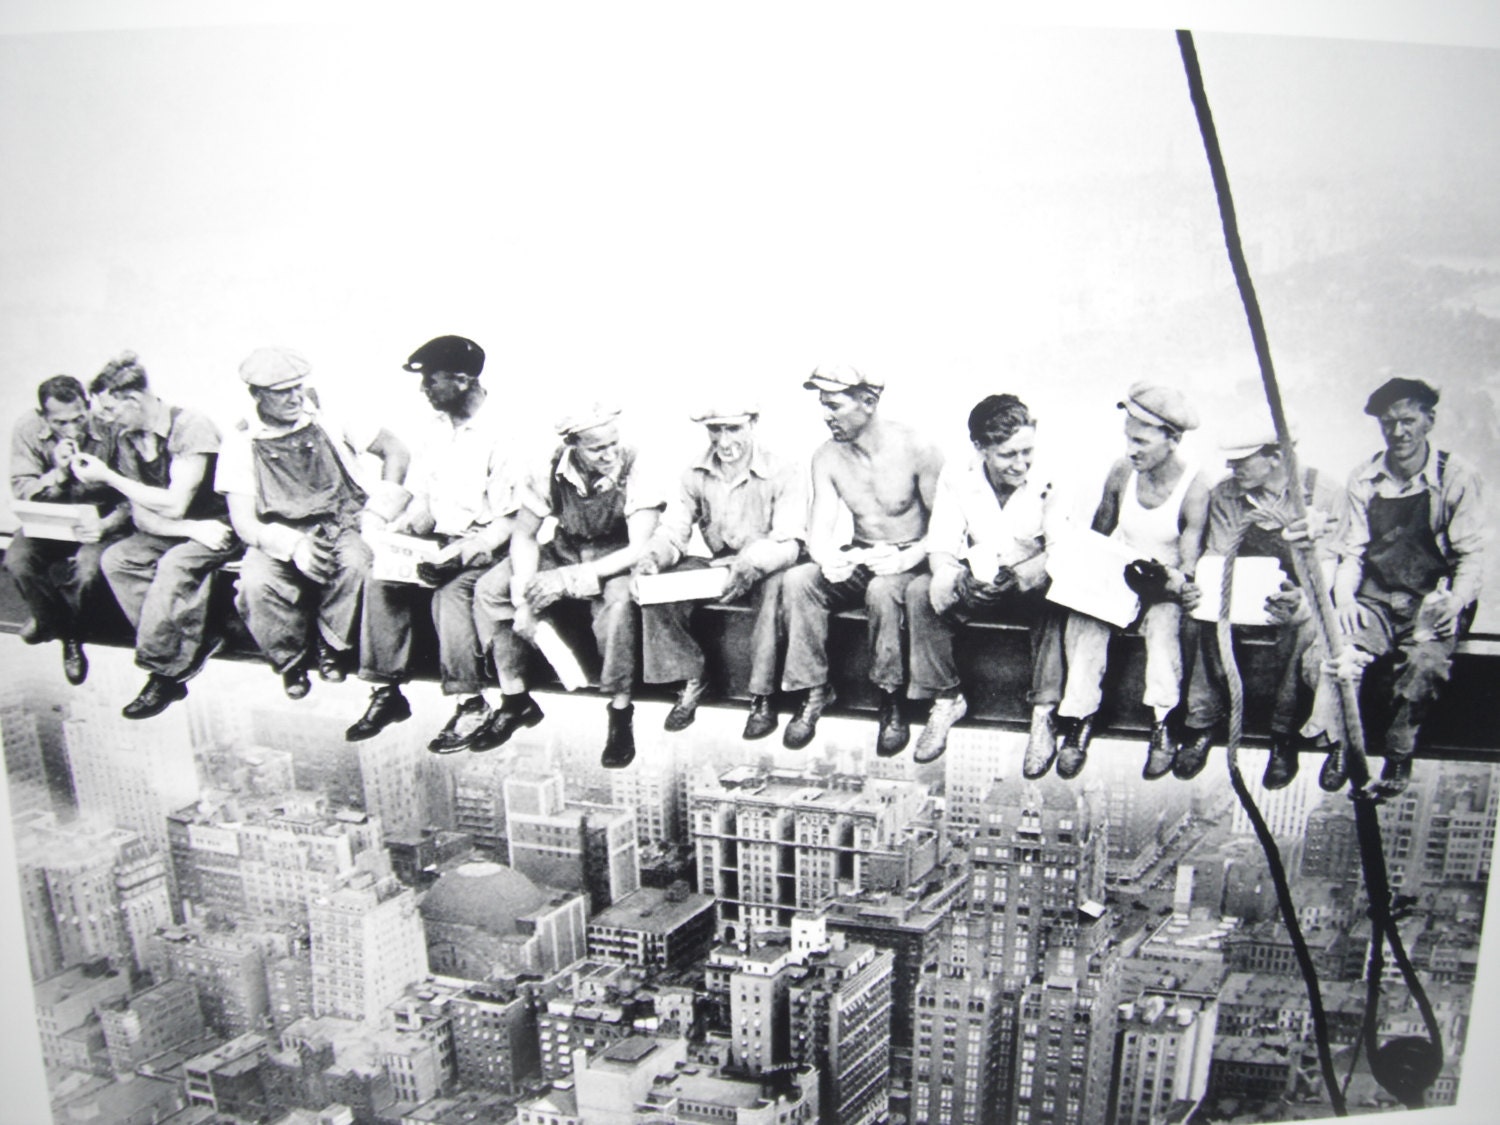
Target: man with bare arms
{"type": "Point", "coordinates": [886, 475]}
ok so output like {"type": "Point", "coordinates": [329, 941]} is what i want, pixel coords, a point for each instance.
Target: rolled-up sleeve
{"type": "Point", "coordinates": [1466, 531]}
{"type": "Point", "coordinates": [789, 503]}
{"type": "Point", "coordinates": [947, 527]}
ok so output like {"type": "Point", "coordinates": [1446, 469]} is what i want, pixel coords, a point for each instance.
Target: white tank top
{"type": "Point", "coordinates": [1153, 532]}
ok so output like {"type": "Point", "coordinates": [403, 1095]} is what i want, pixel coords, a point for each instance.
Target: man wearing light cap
{"type": "Point", "coordinates": [886, 475]}
{"type": "Point", "coordinates": [292, 481]}
{"type": "Point", "coordinates": [164, 465]}
{"type": "Point", "coordinates": [579, 526]}
{"type": "Point", "coordinates": [1155, 504]}
{"type": "Point", "coordinates": [751, 509]}
{"type": "Point", "coordinates": [1252, 507]}
{"type": "Point", "coordinates": [460, 497]}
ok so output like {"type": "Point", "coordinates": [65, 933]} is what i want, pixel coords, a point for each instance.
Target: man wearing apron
{"type": "Point", "coordinates": [289, 476]}
{"type": "Point", "coordinates": [1156, 505]}
{"type": "Point", "coordinates": [578, 529]}
{"type": "Point", "coordinates": [1410, 573]}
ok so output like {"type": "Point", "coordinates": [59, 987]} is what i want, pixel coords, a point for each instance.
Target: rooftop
{"type": "Point", "coordinates": [651, 911]}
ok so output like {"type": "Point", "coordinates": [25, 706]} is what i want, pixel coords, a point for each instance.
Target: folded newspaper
{"type": "Point", "coordinates": [1088, 575]}
{"type": "Point", "coordinates": [397, 556]}
{"type": "Point", "coordinates": [43, 520]}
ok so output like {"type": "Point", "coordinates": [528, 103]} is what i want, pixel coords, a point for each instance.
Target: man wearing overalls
{"type": "Point", "coordinates": [290, 478]}
{"type": "Point", "coordinates": [578, 529]}
{"type": "Point", "coordinates": [1409, 576]}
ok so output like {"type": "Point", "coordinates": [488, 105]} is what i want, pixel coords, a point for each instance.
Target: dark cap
{"type": "Point", "coordinates": [1393, 391]}
{"type": "Point", "coordinates": [454, 354]}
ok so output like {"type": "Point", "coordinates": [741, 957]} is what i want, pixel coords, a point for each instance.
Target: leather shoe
{"type": "Point", "coordinates": [762, 718]}
{"type": "Point", "coordinates": [75, 663]}
{"type": "Point", "coordinates": [330, 663]}
{"type": "Point", "coordinates": [515, 711]}
{"type": "Point", "coordinates": [804, 724]}
{"type": "Point", "coordinates": [35, 633]}
{"type": "Point", "coordinates": [1041, 747]}
{"type": "Point", "coordinates": [1334, 773]}
{"type": "Point", "coordinates": [295, 683]}
{"type": "Point", "coordinates": [468, 719]}
{"type": "Point", "coordinates": [1160, 753]}
{"type": "Point", "coordinates": [934, 738]}
{"type": "Point", "coordinates": [1394, 776]}
{"type": "Point", "coordinates": [1192, 755]}
{"type": "Point", "coordinates": [619, 746]}
{"type": "Point", "coordinates": [387, 706]}
{"type": "Point", "coordinates": [685, 710]}
{"type": "Point", "coordinates": [1074, 752]}
{"type": "Point", "coordinates": [159, 693]}
{"type": "Point", "coordinates": [895, 731]}
{"type": "Point", "coordinates": [1282, 765]}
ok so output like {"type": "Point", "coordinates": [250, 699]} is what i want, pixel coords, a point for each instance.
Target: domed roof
{"type": "Point", "coordinates": [487, 895]}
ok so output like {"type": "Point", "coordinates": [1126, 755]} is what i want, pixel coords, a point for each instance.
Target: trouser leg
{"type": "Point", "coordinates": [885, 603]}
{"type": "Point", "coordinates": [766, 636]}
{"type": "Point", "coordinates": [616, 620]}
{"type": "Point", "coordinates": [1086, 648]}
{"type": "Point", "coordinates": [83, 583]}
{"type": "Point", "coordinates": [933, 666]}
{"type": "Point", "coordinates": [670, 651]}
{"type": "Point", "coordinates": [130, 567]}
{"type": "Point", "coordinates": [1294, 641]}
{"type": "Point", "coordinates": [459, 654]}
{"type": "Point", "coordinates": [385, 631]}
{"type": "Point", "coordinates": [274, 599]}
{"type": "Point", "coordinates": [1376, 638]}
{"type": "Point", "coordinates": [807, 597]}
{"type": "Point", "coordinates": [174, 613]}
{"type": "Point", "coordinates": [1162, 629]}
{"type": "Point", "coordinates": [1422, 667]}
{"type": "Point", "coordinates": [1047, 666]}
{"type": "Point", "coordinates": [36, 565]}
{"type": "Point", "coordinates": [1205, 703]}
{"type": "Point", "coordinates": [338, 600]}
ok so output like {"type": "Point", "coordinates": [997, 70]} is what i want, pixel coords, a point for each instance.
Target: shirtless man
{"type": "Point", "coordinates": [1155, 504]}
{"type": "Point", "coordinates": [887, 477]}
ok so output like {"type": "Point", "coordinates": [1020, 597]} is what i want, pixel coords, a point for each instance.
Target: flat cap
{"type": "Point", "coordinates": [274, 368]}
{"type": "Point", "coordinates": [1393, 391]}
{"type": "Point", "coordinates": [1246, 437]}
{"type": "Point", "coordinates": [839, 377]}
{"type": "Point", "coordinates": [726, 411]}
{"type": "Point", "coordinates": [1159, 406]}
{"type": "Point", "coordinates": [589, 417]}
{"type": "Point", "coordinates": [456, 355]}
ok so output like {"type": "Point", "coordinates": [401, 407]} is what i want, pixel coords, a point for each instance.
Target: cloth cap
{"type": "Point", "coordinates": [730, 411]}
{"type": "Point", "coordinates": [1159, 406]}
{"type": "Point", "coordinates": [595, 414]}
{"type": "Point", "coordinates": [1248, 435]}
{"type": "Point", "coordinates": [456, 355]}
{"type": "Point", "coordinates": [840, 377]}
{"type": "Point", "coordinates": [1393, 391]}
{"type": "Point", "coordinates": [274, 368]}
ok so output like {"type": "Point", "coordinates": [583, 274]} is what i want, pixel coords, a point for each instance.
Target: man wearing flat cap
{"type": "Point", "coordinates": [292, 480]}
{"type": "Point", "coordinates": [1252, 507]}
{"type": "Point", "coordinates": [460, 489]}
{"type": "Point", "coordinates": [750, 507]}
{"type": "Point", "coordinates": [1409, 573]}
{"type": "Point", "coordinates": [579, 527]}
{"type": "Point", "coordinates": [1155, 504]}
{"type": "Point", "coordinates": [886, 475]}
{"type": "Point", "coordinates": [163, 464]}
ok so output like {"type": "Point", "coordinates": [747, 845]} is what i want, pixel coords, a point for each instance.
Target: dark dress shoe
{"type": "Point", "coordinates": [330, 663]}
{"type": "Point", "coordinates": [1161, 752]}
{"type": "Point", "coordinates": [895, 731]}
{"type": "Point", "coordinates": [295, 683]}
{"type": "Point", "coordinates": [467, 721]}
{"type": "Point", "coordinates": [1192, 755]}
{"type": "Point", "coordinates": [159, 693]}
{"type": "Point", "coordinates": [762, 718]}
{"type": "Point", "coordinates": [619, 746]}
{"type": "Point", "coordinates": [75, 663]}
{"type": "Point", "coordinates": [514, 712]}
{"type": "Point", "coordinates": [35, 633]}
{"type": "Point", "coordinates": [387, 706]}
{"type": "Point", "coordinates": [804, 724]}
{"type": "Point", "coordinates": [1282, 765]}
{"type": "Point", "coordinates": [1334, 773]}
{"type": "Point", "coordinates": [1394, 777]}
{"type": "Point", "coordinates": [1073, 754]}
{"type": "Point", "coordinates": [685, 710]}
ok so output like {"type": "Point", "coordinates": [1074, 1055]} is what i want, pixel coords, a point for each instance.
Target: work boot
{"type": "Point", "coordinates": [159, 693]}
{"type": "Point", "coordinates": [75, 663]}
{"type": "Point", "coordinates": [685, 710]}
{"type": "Point", "coordinates": [295, 683]}
{"type": "Point", "coordinates": [35, 633]}
{"type": "Point", "coordinates": [1161, 752]}
{"type": "Point", "coordinates": [619, 747]}
{"type": "Point", "coordinates": [1074, 751]}
{"type": "Point", "coordinates": [515, 711]}
{"type": "Point", "coordinates": [946, 710]}
{"type": "Point", "coordinates": [762, 718]}
{"type": "Point", "coordinates": [330, 663]}
{"type": "Point", "coordinates": [1394, 776]}
{"type": "Point", "coordinates": [1041, 747]}
{"type": "Point", "coordinates": [1282, 765]}
{"type": "Point", "coordinates": [1192, 754]}
{"type": "Point", "coordinates": [799, 732]}
{"type": "Point", "coordinates": [468, 719]}
{"type": "Point", "coordinates": [1334, 773]}
{"type": "Point", "coordinates": [895, 731]}
{"type": "Point", "coordinates": [387, 706]}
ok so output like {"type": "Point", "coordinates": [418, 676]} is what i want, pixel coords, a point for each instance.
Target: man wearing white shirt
{"type": "Point", "coordinates": [291, 479]}
{"type": "Point", "coordinates": [986, 549]}
{"type": "Point", "coordinates": [460, 496]}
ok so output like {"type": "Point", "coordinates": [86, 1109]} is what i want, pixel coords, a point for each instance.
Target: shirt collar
{"type": "Point", "coordinates": [760, 463]}
{"type": "Point", "coordinates": [569, 470]}
{"type": "Point", "coordinates": [469, 423]}
{"type": "Point", "coordinates": [259, 427]}
{"type": "Point", "coordinates": [1425, 476]}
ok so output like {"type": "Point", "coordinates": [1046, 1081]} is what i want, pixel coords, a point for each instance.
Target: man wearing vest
{"type": "Point", "coordinates": [1409, 575]}
{"type": "Point", "coordinates": [1253, 506]}
{"type": "Point", "coordinates": [164, 465]}
{"type": "Point", "coordinates": [290, 477]}
{"type": "Point", "coordinates": [1155, 504]}
{"type": "Point", "coordinates": [579, 527]}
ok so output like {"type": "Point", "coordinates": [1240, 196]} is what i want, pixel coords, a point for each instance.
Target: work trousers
{"type": "Point", "coordinates": [1086, 648]}
{"type": "Point", "coordinates": [933, 667]}
{"type": "Point", "coordinates": [163, 585]}
{"type": "Point", "coordinates": [281, 605]}
{"type": "Point", "coordinates": [57, 580]}
{"type": "Point", "coordinates": [808, 598]}
{"type": "Point", "coordinates": [1206, 680]}
{"type": "Point", "coordinates": [385, 632]}
{"type": "Point", "coordinates": [671, 652]}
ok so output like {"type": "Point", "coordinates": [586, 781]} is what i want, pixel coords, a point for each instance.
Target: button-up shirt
{"type": "Point", "coordinates": [767, 501]}
{"type": "Point", "coordinates": [31, 445]}
{"type": "Point", "coordinates": [1230, 508]}
{"type": "Point", "coordinates": [1455, 513]}
{"type": "Point", "coordinates": [969, 523]}
{"type": "Point", "coordinates": [462, 471]}
{"type": "Point", "coordinates": [534, 492]}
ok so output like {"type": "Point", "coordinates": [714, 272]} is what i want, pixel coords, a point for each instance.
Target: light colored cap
{"type": "Point", "coordinates": [274, 368]}
{"type": "Point", "coordinates": [587, 418]}
{"type": "Point", "coordinates": [726, 412]}
{"type": "Point", "coordinates": [1246, 437]}
{"type": "Point", "coordinates": [839, 377]}
{"type": "Point", "coordinates": [1159, 406]}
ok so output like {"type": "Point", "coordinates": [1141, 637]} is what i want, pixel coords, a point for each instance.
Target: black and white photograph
{"type": "Point", "coordinates": [668, 564]}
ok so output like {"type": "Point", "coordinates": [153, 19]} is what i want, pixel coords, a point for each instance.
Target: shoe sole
{"type": "Point", "coordinates": [155, 711]}
{"type": "Point", "coordinates": [479, 745]}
